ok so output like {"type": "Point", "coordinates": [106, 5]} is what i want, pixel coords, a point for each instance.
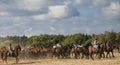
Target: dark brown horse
{"type": "Point", "coordinates": [80, 51]}
{"type": "Point", "coordinates": [101, 50]}
{"type": "Point", "coordinates": [66, 51]}
{"type": "Point", "coordinates": [56, 52]}
{"type": "Point", "coordinates": [15, 51]}
{"type": "Point", "coordinates": [4, 53]}
{"type": "Point", "coordinates": [109, 49]}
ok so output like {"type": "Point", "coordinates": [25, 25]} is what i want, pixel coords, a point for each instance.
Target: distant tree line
{"type": "Point", "coordinates": [50, 40]}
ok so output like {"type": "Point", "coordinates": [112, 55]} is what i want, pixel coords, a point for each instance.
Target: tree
{"type": "Point", "coordinates": [110, 37]}
{"type": "Point", "coordinates": [75, 39]}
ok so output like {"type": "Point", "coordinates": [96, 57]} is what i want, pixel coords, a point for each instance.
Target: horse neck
{"type": "Point", "coordinates": [17, 48]}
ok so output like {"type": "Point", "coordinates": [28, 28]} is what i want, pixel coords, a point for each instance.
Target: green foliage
{"type": "Point", "coordinates": [75, 39]}
{"type": "Point", "coordinates": [110, 37]}
{"type": "Point", "coordinates": [87, 42]}
{"type": "Point", "coordinates": [50, 40]}
{"type": "Point", "coordinates": [69, 41]}
{"type": "Point", "coordinates": [29, 42]}
{"type": "Point", "coordinates": [46, 40]}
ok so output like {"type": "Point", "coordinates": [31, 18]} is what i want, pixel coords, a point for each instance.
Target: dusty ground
{"type": "Point", "coordinates": [106, 61]}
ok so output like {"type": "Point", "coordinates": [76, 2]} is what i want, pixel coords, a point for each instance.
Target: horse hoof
{"type": "Point", "coordinates": [113, 56]}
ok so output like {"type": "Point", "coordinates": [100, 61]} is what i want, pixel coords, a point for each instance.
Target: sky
{"type": "Point", "coordinates": [35, 17]}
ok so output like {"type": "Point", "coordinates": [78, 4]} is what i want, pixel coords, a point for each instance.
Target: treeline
{"type": "Point", "coordinates": [50, 40]}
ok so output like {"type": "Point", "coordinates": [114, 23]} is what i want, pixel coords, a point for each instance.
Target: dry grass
{"type": "Point", "coordinates": [106, 61]}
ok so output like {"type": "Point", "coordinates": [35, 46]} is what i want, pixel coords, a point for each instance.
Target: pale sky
{"type": "Point", "coordinates": [35, 17]}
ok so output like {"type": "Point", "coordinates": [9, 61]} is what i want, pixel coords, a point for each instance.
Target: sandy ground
{"type": "Point", "coordinates": [106, 61]}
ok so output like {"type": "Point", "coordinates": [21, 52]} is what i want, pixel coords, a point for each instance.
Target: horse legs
{"type": "Point", "coordinates": [53, 54]}
{"type": "Point", "coordinates": [118, 49]}
{"type": "Point", "coordinates": [107, 54]}
{"type": "Point", "coordinates": [112, 54]}
{"type": "Point", "coordinates": [75, 54]}
{"type": "Point", "coordinates": [86, 54]}
{"type": "Point", "coordinates": [4, 58]}
{"type": "Point", "coordinates": [82, 55]}
{"type": "Point", "coordinates": [96, 54]}
{"type": "Point", "coordinates": [3, 61]}
{"type": "Point", "coordinates": [99, 55]}
{"type": "Point", "coordinates": [57, 55]}
{"type": "Point", "coordinates": [17, 59]}
{"type": "Point", "coordinates": [91, 56]}
{"type": "Point", "coordinates": [79, 55]}
{"type": "Point", "coordinates": [72, 54]}
{"type": "Point", "coordinates": [103, 55]}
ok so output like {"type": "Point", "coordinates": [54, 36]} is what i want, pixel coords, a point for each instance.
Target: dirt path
{"type": "Point", "coordinates": [112, 61]}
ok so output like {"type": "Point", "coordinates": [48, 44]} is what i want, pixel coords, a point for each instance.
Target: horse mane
{"type": "Point", "coordinates": [17, 47]}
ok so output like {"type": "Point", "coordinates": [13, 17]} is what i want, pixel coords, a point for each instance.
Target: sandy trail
{"type": "Point", "coordinates": [106, 61]}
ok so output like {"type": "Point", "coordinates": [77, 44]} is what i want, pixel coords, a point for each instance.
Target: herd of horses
{"type": "Point", "coordinates": [104, 50]}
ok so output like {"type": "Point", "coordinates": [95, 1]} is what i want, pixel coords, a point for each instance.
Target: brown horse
{"type": "Point", "coordinates": [4, 53]}
{"type": "Point", "coordinates": [101, 50]}
{"type": "Point", "coordinates": [33, 52]}
{"type": "Point", "coordinates": [109, 49]}
{"type": "Point", "coordinates": [15, 51]}
{"type": "Point", "coordinates": [45, 51]}
{"type": "Point", "coordinates": [91, 50]}
{"type": "Point", "coordinates": [33, 49]}
{"type": "Point", "coordinates": [80, 52]}
{"type": "Point", "coordinates": [36, 52]}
